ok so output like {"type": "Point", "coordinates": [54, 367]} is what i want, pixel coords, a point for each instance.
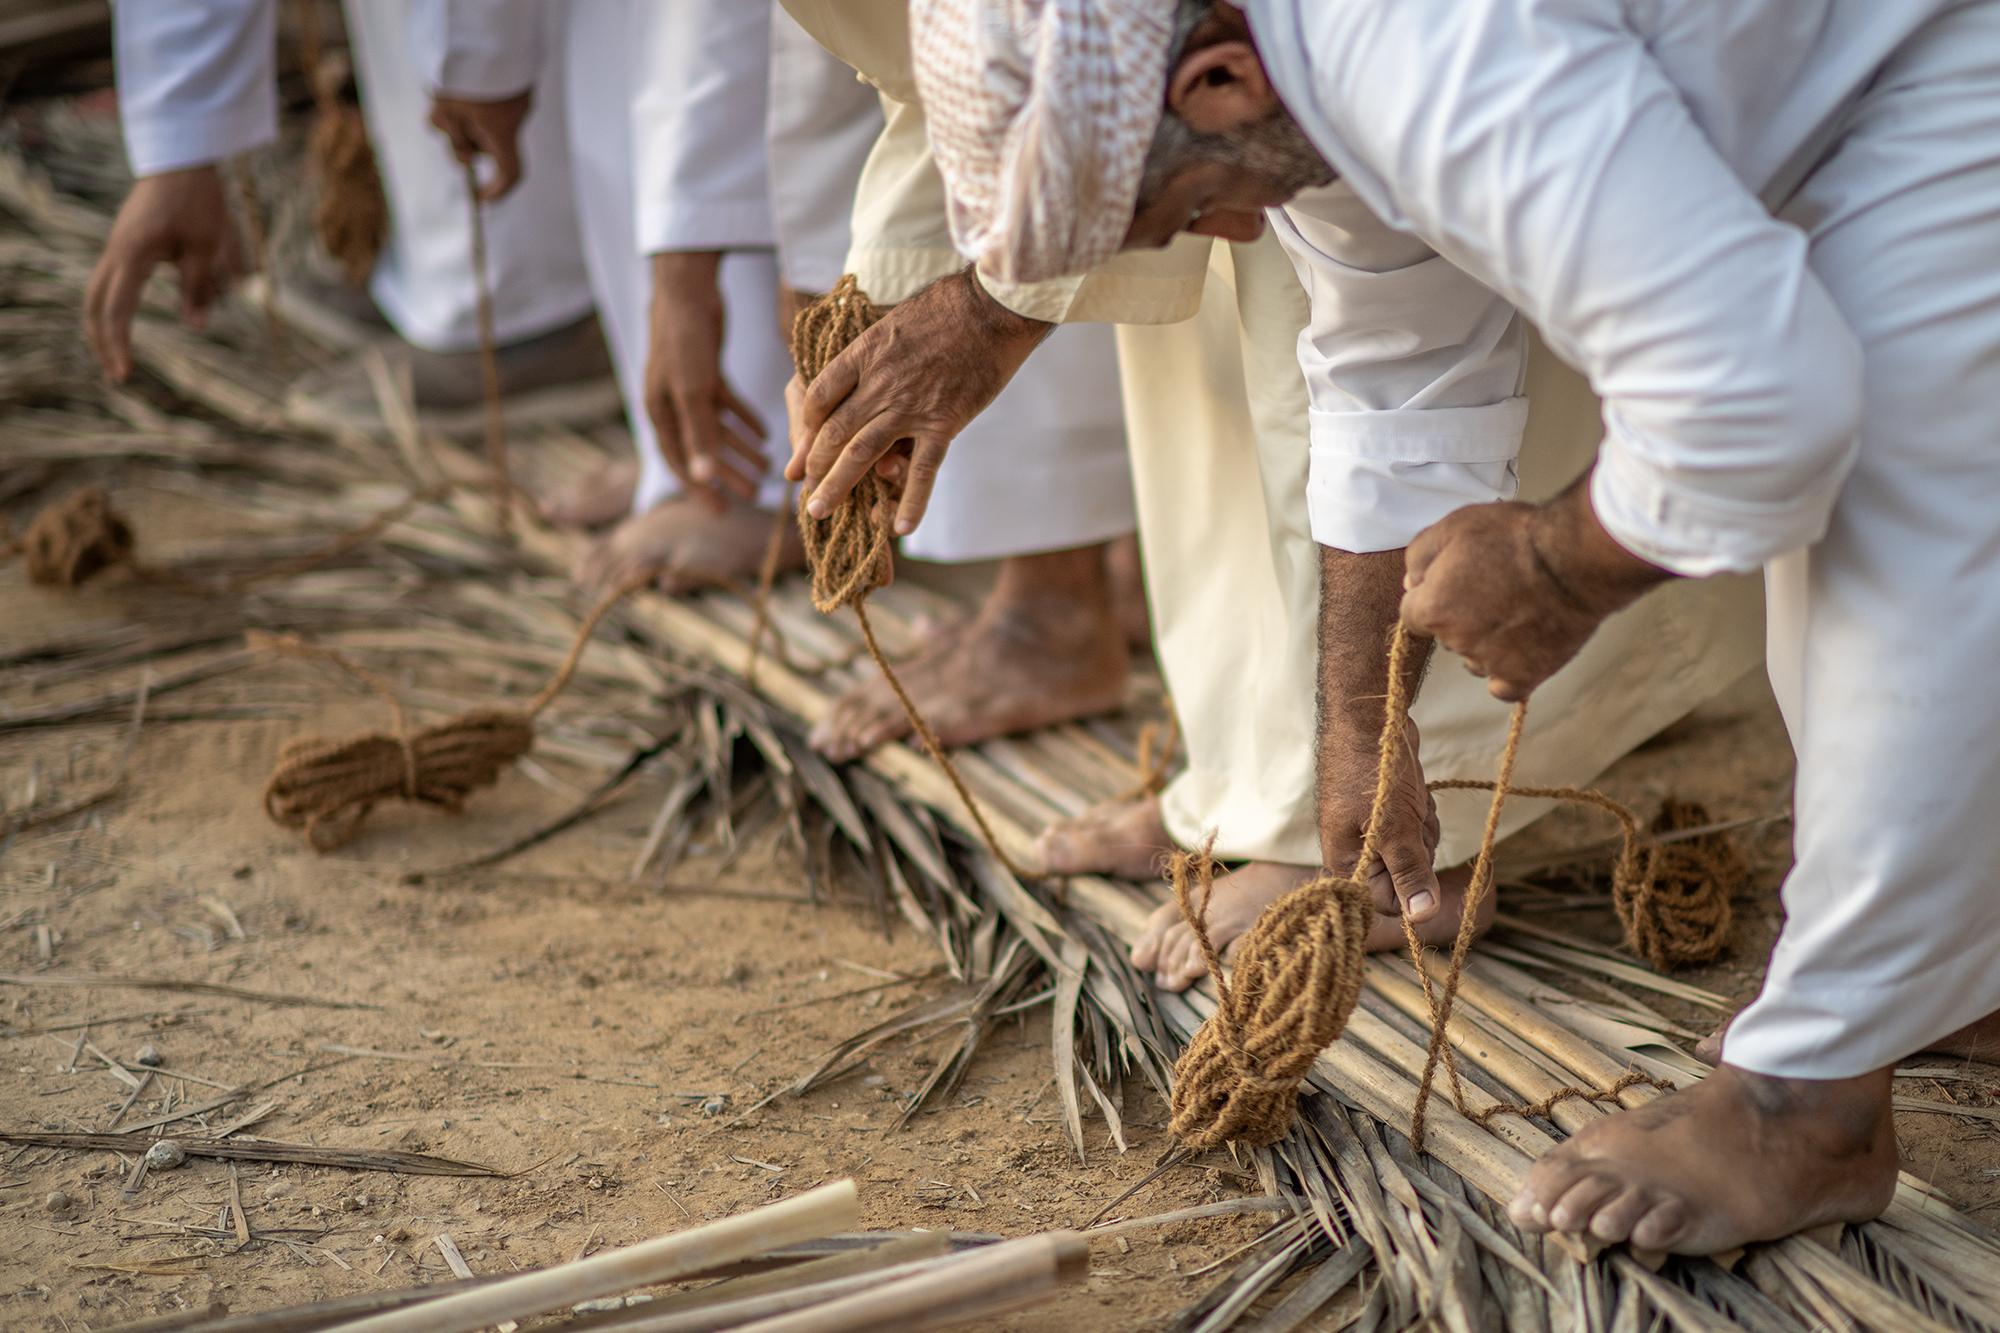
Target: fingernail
{"type": "Point", "coordinates": [819, 508]}
{"type": "Point", "coordinates": [701, 468]}
{"type": "Point", "coordinates": [1423, 902]}
{"type": "Point", "coordinates": [904, 527]}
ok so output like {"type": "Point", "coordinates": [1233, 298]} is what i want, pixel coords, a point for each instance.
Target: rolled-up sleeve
{"type": "Point", "coordinates": [478, 50]}
{"type": "Point", "coordinates": [197, 80]}
{"type": "Point", "coordinates": [1413, 371]}
{"type": "Point", "coordinates": [699, 127]}
{"type": "Point", "coordinates": [1554, 161]}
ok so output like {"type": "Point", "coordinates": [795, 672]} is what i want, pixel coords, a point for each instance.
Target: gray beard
{"type": "Point", "coordinates": [1273, 149]}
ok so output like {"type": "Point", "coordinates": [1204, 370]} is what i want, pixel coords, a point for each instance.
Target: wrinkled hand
{"type": "Point", "coordinates": [485, 129]}
{"type": "Point", "coordinates": [708, 434]}
{"type": "Point", "coordinates": [909, 385]}
{"type": "Point", "coordinates": [1517, 589]}
{"type": "Point", "coordinates": [1401, 874]}
{"type": "Point", "coordinates": [179, 218]}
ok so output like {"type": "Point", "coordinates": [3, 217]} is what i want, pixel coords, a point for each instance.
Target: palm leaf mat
{"type": "Point", "coordinates": [1406, 1239]}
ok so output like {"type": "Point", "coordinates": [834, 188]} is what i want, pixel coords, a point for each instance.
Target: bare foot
{"type": "Point", "coordinates": [1975, 1041]}
{"type": "Point", "coordinates": [1736, 1158]}
{"type": "Point", "coordinates": [600, 499]}
{"type": "Point", "coordinates": [1041, 651]}
{"type": "Point", "coordinates": [1168, 949]}
{"type": "Point", "coordinates": [1124, 839]}
{"type": "Point", "coordinates": [690, 545]}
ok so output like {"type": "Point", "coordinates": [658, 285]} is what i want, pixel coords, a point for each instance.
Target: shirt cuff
{"type": "Point", "coordinates": [715, 224]}
{"type": "Point", "coordinates": [159, 142]}
{"type": "Point", "coordinates": [1377, 479]}
{"type": "Point", "coordinates": [1651, 510]}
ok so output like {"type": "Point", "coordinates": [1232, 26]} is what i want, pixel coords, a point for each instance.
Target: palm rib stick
{"type": "Point", "coordinates": [816, 1213]}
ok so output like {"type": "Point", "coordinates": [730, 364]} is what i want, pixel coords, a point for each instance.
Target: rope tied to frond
{"type": "Point", "coordinates": [80, 536]}
{"type": "Point", "coordinates": [325, 787]}
{"type": "Point", "coordinates": [1298, 971]}
{"type": "Point", "coordinates": [849, 552]}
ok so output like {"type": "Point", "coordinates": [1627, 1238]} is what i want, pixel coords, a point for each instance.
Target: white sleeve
{"type": "Point", "coordinates": [1553, 160]}
{"type": "Point", "coordinates": [1413, 371]}
{"type": "Point", "coordinates": [824, 122]}
{"type": "Point", "coordinates": [479, 50]}
{"type": "Point", "coordinates": [698, 127]}
{"type": "Point", "coordinates": [197, 80]}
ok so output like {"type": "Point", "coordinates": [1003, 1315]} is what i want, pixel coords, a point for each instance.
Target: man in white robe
{"type": "Point", "coordinates": [1219, 417]}
{"type": "Point", "coordinates": [1767, 233]}
{"type": "Point", "coordinates": [197, 88]}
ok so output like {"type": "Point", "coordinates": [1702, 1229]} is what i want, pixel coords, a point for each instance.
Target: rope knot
{"type": "Point", "coordinates": [74, 539]}
{"type": "Point", "coordinates": [1297, 978]}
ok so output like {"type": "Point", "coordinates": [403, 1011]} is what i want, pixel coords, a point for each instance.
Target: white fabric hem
{"type": "Point", "coordinates": [167, 142]}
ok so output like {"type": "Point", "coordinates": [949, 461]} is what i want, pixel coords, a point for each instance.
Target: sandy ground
{"type": "Point", "coordinates": [600, 1042]}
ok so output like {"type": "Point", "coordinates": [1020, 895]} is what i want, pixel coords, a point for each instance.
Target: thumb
{"type": "Point", "coordinates": [1415, 880]}
{"type": "Point", "coordinates": [506, 153]}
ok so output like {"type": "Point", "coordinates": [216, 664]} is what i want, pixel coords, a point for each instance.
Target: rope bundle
{"type": "Point", "coordinates": [74, 539]}
{"type": "Point", "coordinates": [849, 552]}
{"type": "Point", "coordinates": [81, 535]}
{"type": "Point", "coordinates": [1299, 969]}
{"type": "Point", "coordinates": [351, 218]}
{"type": "Point", "coordinates": [325, 788]}
{"type": "Point", "coordinates": [1238, 1079]}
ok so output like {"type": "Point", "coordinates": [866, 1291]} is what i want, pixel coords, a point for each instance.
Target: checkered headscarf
{"type": "Point", "coordinates": [1041, 113]}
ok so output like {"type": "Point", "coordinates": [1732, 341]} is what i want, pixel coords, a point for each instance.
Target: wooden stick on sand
{"type": "Point", "coordinates": [813, 1214]}
{"type": "Point", "coordinates": [990, 1281]}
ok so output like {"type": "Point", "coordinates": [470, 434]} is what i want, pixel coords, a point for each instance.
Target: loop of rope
{"type": "Point", "coordinates": [1298, 971]}
{"type": "Point", "coordinates": [73, 540]}
{"type": "Point", "coordinates": [849, 552]}
{"type": "Point", "coordinates": [325, 788]}
{"type": "Point", "coordinates": [1159, 743]}
{"type": "Point", "coordinates": [1297, 979]}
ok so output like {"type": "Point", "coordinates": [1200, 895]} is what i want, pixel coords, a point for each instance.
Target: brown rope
{"type": "Point", "coordinates": [325, 788]}
{"type": "Point", "coordinates": [489, 361]}
{"type": "Point", "coordinates": [849, 551]}
{"type": "Point", "coordinates": [1297, 978]}
{"type": "Point", "coordinates": [1673, 898]}
{"type": "Point", "coordinates": [73, 540]}
{"type": "Point", "coordinates": [1159, 742]}
{"type": "Point", "coordinates": [1298, 971]}
{"type": "Point", "coordinates": [351, 217]}
{"type": "Point", "coordinates": [81, 535]}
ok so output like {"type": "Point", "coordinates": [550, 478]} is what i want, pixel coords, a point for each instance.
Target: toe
{"type": "Point", "coordinates": [1613, 1221]}
{"type": "Point", "coordinates": [1548, 1181]}
{"type": "Point", "coordinates": [1147, 949]}
{"type": "Point", "coordinates": [1058, 849]}
{"type": "Point", "coordinates": [1184, 962]}
{"type": "Point", "coordinates": [1663, 1227]}
{"type": "Point", "coordinates": [1580, 1202]}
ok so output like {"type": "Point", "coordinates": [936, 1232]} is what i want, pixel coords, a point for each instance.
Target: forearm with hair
{"type": "Point", "coordinates": [1359, 600]}
{"type": "Point", "coordinates": [998, 318]}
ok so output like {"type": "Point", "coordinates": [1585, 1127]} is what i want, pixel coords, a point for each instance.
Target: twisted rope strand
{"type": "Point", "coordinates": [325, 788]}
{"type": "Point", "coordinates": [489, 361]}
{"type": "Point", "coordinates": [849, 552]}
{"type": "Point", "coordinates": [1298, 971]}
